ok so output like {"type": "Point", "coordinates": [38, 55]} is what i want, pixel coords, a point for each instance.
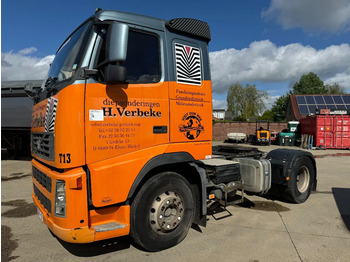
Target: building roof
{"type": "Point", "coordinates": [20, 83]}
{"type": "Point", "coordinates": [16, 88]}
{"type": "Point", "coordinates": [301, 106]}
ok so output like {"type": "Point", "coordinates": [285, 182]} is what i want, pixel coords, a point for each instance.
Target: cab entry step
{"type": "Point", "coordinates": [109, 227]}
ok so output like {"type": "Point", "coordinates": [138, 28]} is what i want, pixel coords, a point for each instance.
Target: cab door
{"type": "Point", "coordinates": [125, 118]}
{"type": "Point", "coordinates": [127, 124]}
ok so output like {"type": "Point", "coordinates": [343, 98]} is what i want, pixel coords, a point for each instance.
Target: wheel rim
{"type": "Point", "coordinates": [166, 212]}
{"type": "Point", "coordinates": [303, 179]}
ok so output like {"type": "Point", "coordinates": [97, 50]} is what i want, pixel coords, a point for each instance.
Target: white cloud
{"type": "Point", "coordinates": [343, 79]}
{"type": "Point", "coordinates": [219, 104]}
{"type": "Point", "coordinates": [264, 62]}
{"type": "Point", "coordinates": [28, 51]}
{"type": "Point", "coordinates": [311, 15]}
{"type": "Point", "coordinates": [22, 65]}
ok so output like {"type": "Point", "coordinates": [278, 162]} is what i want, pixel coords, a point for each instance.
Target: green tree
{"type": "Point", "coordinates": [335, 88]}
{"type": "Point", "coordinates": [254, 101]}
{"type": "Point", "coordinates": [235, 99]}
{"type": "Point", "coordinates": [245, 102]}
{"type": "Point", "coordinates": [268, 115]}
{"type": "Point", "coordinates": [309, 84]}
{"type": "Point", "coordinates": [279, 108]}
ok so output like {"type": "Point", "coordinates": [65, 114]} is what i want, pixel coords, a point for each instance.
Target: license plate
{"type": "Point", "coordinates": [40, 215]}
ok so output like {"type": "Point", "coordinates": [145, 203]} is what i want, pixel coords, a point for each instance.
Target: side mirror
{"type": "Point", "coordinates": [114, 74]}
{"type": "Point", "coordinates": [117, 42]}
{"type": "Point", "coordinates": [116, 51]}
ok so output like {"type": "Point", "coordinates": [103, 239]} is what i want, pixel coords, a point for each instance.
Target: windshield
{"type": "Point", "coordinates": [68, 57]}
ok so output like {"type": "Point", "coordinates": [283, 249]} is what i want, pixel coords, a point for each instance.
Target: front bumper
{"type": "Point", "coordinates": [76, 235]}
{"type": "Point", "coordinates": [74, 227]}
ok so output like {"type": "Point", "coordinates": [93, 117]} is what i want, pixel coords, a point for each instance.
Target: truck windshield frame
{"type": "Point", "coordinates": [68, 57]}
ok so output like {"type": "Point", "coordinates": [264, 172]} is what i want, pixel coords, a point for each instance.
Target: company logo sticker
{"type": "Point", "coordinates": [50, 117]}
{"type": "Point", "coordinates": [188, 64]}
{"type": "Point", "coordinates": [191, 126]}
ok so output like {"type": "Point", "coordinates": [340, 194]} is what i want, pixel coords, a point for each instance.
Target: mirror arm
{"type": "Point", "coordinates": [102, 64]}
{"type": "Point", "coordinates": [90, 72]}
{"type": "Point", "coordinates": [84, 73]}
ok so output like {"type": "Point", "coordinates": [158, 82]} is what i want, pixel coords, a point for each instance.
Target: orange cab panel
{"type": "Point", "coordinates": [121, 119]}
{"type": "Point", "coordinates": [190, 107]}
{"type": "Point", "coordinates": [58, 128]}
{"type": "Point", "coordinates": [112, 179]}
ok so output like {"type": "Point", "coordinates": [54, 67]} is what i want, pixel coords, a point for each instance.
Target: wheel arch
{"type": "Point", "coordinates": [282, 161]}
{"type": "Point", "coordinates": [182, 163]}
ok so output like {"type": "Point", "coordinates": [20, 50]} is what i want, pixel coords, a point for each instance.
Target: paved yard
{"type": "Point", "coordinates": [261, 230]}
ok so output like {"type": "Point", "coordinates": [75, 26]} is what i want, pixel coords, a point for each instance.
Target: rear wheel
{"type": "Point", "coordinates": [300, 181]}
{"type": "Point", "coordinates": [162, 212]}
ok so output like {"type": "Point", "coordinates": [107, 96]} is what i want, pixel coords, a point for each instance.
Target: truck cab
{"type": "Point", "coordinates": [124, 95]}
{"type": "Point", "coordinates": [121, 133]}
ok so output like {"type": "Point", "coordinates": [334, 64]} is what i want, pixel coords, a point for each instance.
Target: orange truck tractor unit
{"type": "Point", "coordinates": [121, 136]}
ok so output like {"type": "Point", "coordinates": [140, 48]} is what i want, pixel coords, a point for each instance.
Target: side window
{"type": "Point", "coordinates": [142, 61]}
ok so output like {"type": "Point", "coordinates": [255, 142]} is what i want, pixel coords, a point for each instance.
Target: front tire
{"type": "Point", "coordinates": [300, 181]}
{"type": "Point", "coordinates": [162, 212]}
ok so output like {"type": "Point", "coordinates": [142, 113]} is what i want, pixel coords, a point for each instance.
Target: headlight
{"type": "Point", "coordinates": [60, 199]}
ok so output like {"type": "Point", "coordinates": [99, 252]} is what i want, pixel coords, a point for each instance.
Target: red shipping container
{"type": "Point", "coordinates": [329, 131]}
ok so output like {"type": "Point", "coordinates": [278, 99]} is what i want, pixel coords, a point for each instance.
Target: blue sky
{"type": "Point", "coordinates": [270, 43]}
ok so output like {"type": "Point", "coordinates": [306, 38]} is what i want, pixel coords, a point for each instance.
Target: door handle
{"type": "Point", "coordinates": [160, 129]}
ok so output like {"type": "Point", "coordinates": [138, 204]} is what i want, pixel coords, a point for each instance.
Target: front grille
{"type": "Point", "coordinates": [43, 179]}
{"type": "Point", "coordinates": [43, 199]}
{"type": "Point", "coordinates": [43, 145]}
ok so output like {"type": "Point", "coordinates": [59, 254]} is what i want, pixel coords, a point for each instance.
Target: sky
{"type": "Point", "coordinates": [267, 43]}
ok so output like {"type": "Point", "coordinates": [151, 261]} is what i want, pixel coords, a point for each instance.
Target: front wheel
{"type": "Point", "coordinates": [162, 212]}
{"type": "Point", "coordinates": [300, 181]}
